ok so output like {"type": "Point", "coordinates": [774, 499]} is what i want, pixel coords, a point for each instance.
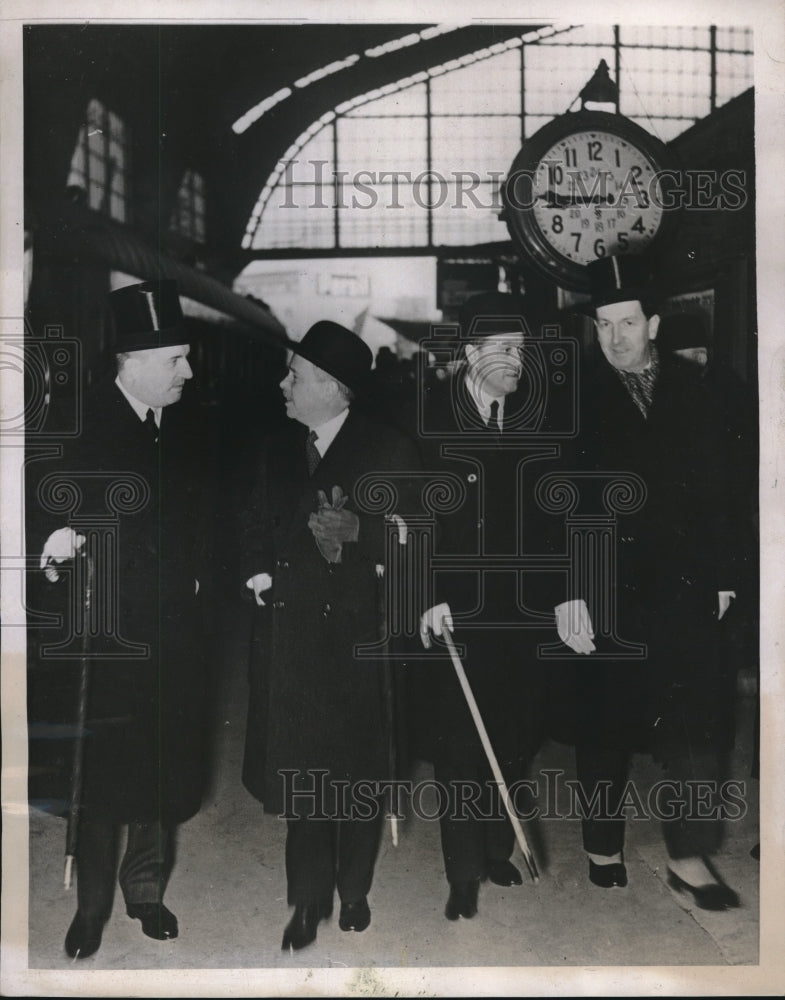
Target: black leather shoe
{"type": "Point", "coordinates": [714, 896]}
{"type": "Point", "coordinates": [355, 916]}
{"type": "Point", "coordinates": [504, 873]}
{"type": "Point", "coordinates": [84, 937]}
{"type": "Point", "coordinates": [301, 929]}
{"type": "Point", "coordinates": [463, 900]}
{"type": "Point", "coordinates": [608, 876]}
{"type": "Point", "coordinates": [157, 921]}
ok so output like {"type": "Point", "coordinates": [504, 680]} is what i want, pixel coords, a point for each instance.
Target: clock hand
{"type": "Point", "coordinates": [554, 200]}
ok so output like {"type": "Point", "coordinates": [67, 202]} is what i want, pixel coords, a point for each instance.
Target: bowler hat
{"type": "Point", "coordinates": [491, 313]}
{"type": "Point", "coordinates": [618, 278]}
{"type": "Point", "coordinates": [147, 315]}
{"type": "Point", "coordinates": [337, 351]}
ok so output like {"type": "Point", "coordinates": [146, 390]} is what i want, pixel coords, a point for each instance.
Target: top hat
{"type": "Point", "coordinates": [618, 278]}
{"type": "Point", "coordinates": [147, 315]}
{"type": "Point", "coordinates": [679, 331]}
{"type": "Point", "coordinates": [337, 351]}
{"type": "Point", "coordinates": [491, 313]}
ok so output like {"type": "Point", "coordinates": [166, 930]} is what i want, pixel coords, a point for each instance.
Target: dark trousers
{"type": "Point", "coordinates": [475, 827]}
{"type": "Point", "coordinates": [322, 854]}
{"type": "Point", "coordinates": [690, 833]}
{"type": "Point", "coordinates": [144, 870]}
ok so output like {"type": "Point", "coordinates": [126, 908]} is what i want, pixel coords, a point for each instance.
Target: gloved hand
{"type": "Point", "coordinates": [332, 525]}
{"type": "Point", "coordinates": [573, 623]}
{"type": "Point", "coordinates": [258, 584]}
{"type": "Point", "coordinates": [59, 546]}
{"type": "Point", "coordinates": [435, 620]}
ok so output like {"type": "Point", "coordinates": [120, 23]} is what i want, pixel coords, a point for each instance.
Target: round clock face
{"type": "Point", "coordinates": [592, 197]}
{"type": "Point", "coordinates": [585, 186]}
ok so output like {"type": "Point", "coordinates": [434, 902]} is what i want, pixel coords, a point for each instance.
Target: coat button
{"type": "Point", "coordinates": [326, 610]}
{"type": "Point", "coordinates": [282, 564]}
{"type": "Point", "coordinates": [471, 478]}
{"type": "Point", "coordinates": [279, 604]}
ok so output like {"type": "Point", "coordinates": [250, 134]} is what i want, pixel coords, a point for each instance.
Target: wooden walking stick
{"type": "Point", "coordinates": [528, 857]}
{"type": "Point", "coordinates": [81, 721]}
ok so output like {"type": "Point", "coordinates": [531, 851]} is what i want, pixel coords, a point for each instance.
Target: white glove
{"type": "Point", "coordinates": [434, 620]}
{"type": "Point", "coordinates": [59, 546]}
{"type": "Point", "coordinates": [573, 623]}
{"type": "Point", "coordinates": [258, 584]}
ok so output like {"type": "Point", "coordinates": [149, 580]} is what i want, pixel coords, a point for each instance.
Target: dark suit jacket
{"type": "Point", "coordinates": [144, 747]}
{"type": "Point", "coordinates": [313, 703]}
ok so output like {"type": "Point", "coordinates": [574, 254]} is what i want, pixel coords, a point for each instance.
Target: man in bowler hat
{"type": "Point", "coordinates": [313, 559]}
{"type": "Point", "coordinates": [674, 574]}
{"type": "Point", "coordinates": [145, 701]}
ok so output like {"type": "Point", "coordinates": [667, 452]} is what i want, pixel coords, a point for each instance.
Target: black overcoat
{"type": "Point", "coordinates": [314, 705]}
{"type": "Point", "coordinates": [673, 554]}
{"type": "Point", "coordinates": [145, 724]}
{"type": "Point", "coordinates": [496, 515]}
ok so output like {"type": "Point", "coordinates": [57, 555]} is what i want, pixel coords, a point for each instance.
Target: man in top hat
{"type": "Point", "coordinates": [675, 571]}
{"type": "Point", "coordinates": [481, 414]}
{"type": "Point", "coordinates": [314, 558]}
{"type": "Point", "coordinates": [135, 468]}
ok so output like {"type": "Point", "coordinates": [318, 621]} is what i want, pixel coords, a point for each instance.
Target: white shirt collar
{"type": "Point", "coordinates": [327, 432]}
{"type": "Point", "coordinates": [483, 400]}
{"type": "Point", "coordinates": [139, 408]}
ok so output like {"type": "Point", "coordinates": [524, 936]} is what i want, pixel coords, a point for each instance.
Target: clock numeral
{"type": "Point", "coordinates": [557, 224]}
{"type": "Point", "coordinates": [571, 157]}
{"type": "Point", "coordinates": [624, 241]}
{"type": "Point", "coordinates": [638, 225]}
{"type": "Point", "coordinates": [636, 173]}
{"type": "Point", "coordinates": [599, 247]}
{"type": "Point", "coordinates": [555, 176]}
{"type": "Point", "coordinates": [577, 238]}
{"type": "Point", "coordinates": [595, 149]}
{"type": "Point", "coordinates": [618, 158]}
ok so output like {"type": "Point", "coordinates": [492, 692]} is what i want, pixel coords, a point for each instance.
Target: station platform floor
{"type": "Point", "coordinates": [228, 890]}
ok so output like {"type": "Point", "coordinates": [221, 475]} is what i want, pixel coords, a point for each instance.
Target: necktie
{"type": "Point", "coordinates": [312, 455]}
{"type": "Point", "coordinates": [493, 420]}
{"type": "Point", "coordinates": [150, 424]}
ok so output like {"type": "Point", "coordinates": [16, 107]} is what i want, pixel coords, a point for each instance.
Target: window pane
{"type": "Point", "coordinates": [734, 39]}
{"type": "Point", "coordinates": [385, 215]}
{"type": "Point", "coordinates": [659, 82]}
{"type": "Point", "coordinates": [734, 76]}
{"type": "Point", "coordinates": [668, 36]}
{"type": "Point", "coordinates": [297, 217]}
{"type": "Point", "coordinates": [309, 164]}
{"type": "Point", "coordinates": [97, 169]}
{"type": "Point", "coordinates": [476, 144]}
{"type": "Point", "coordinates": [585, 34]}
{"type": "Point", "coordinates": [96, 196]}
{"type": "Point", "coordinates": [468, 219]}
{"type": "Point", "coordinates": [555, 75]}
{"type": "Point", "coordinates": [117, 208]}
{"type": "Point", "coordinates": [411, 101]}
{"type": "Point", "coordinates": [481, 88]}
{"type": "Point", "coordinates": [399, 145]}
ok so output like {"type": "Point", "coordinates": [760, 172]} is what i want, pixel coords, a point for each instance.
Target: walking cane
{"type": "Point", "coordinates": [81, 721]}
{"type": "Point", "coordinates": [528, 857]}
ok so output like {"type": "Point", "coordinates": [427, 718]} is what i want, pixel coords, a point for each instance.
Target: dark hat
{"type": "Point", "coordinates": [147, 315]}
{"type": "Point", "coordinates": [337, 351]}
{"type": "Point", "coordinates": [491, 313]}
{"type": "Point", "coordinates": [682, 330]}
{"type": "Point", "coordinates": [618, 278]}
